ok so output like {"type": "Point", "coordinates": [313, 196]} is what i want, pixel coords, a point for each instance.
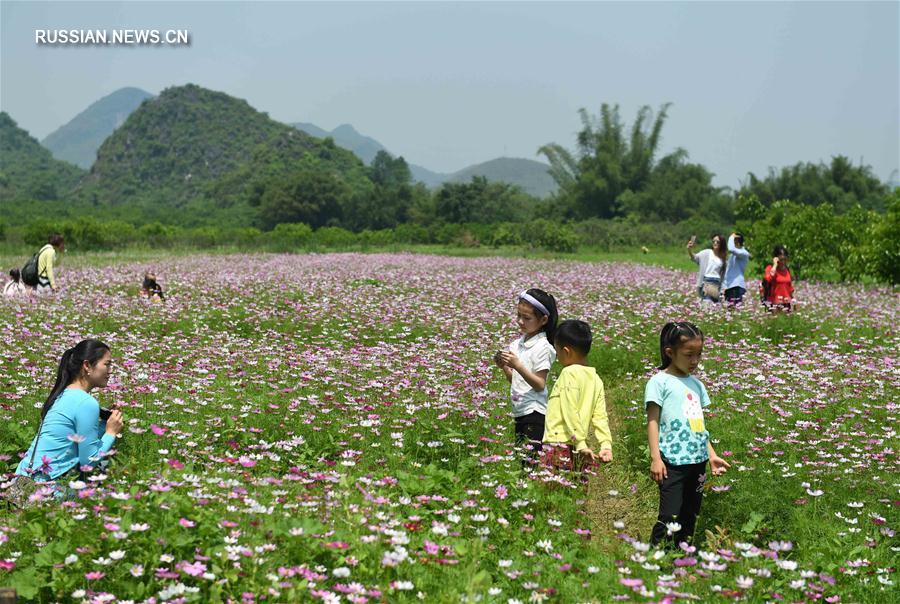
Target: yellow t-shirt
{"type": "Point", "coordinates": [45, 264]}
{"type": "Point", "coordinates": [576, 405]}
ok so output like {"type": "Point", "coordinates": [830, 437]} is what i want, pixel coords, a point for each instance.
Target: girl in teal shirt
{"type": "Point", "coordinates": [71, 434]}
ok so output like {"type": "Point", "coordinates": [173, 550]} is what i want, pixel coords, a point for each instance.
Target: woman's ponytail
{"type": "Point", "coordinates": [70, 366]}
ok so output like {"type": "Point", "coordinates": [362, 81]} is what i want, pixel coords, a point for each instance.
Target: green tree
{"type": "Point", "coordinates": [480, 201]}
{"type": "Point", "coordinates": [678, 190]}
{"type": "Point", "coordinates": [608, 161]}
{"type": "Point", "coordinates": [387, 171]}
{"type": "Point", "coordinates": [388, 203]}
{"type": "Point", "coordinates": [311, 197]}
{"type": "Point", "coordinates": [838, 183]}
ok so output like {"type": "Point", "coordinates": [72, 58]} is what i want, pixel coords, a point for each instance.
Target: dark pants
{"type": "Point", "coordinates": [530, 433]}
{"type": "Point", "coordinates": [680, 495]}
{"type": "Point", "coordinates": [734, 295]}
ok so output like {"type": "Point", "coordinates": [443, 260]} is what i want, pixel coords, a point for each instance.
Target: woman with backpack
{"type": "Point", "coordinates": [38, 272]}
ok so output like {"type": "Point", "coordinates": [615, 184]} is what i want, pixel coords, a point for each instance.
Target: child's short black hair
{"type": "Point", "coordinates": [574, 334]}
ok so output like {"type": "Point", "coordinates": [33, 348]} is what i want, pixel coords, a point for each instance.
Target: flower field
{"type": "Point", "coordinates": [331, 427]}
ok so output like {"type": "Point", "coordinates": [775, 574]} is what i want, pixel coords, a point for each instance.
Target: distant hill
{"type": "Point", "coordinates": [28, 170]}
{"type": "Point", "coordinates": [531, 176]}
{"type": "Point", "coordinates": [77, 141]}
{"type": "Point", "coordinates": [367, 148]}
{"type": "Point", "coordinates": [204, 150]}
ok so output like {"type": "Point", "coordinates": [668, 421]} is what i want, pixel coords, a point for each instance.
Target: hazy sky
{"type": "Point", "coordinates": [752, 84]}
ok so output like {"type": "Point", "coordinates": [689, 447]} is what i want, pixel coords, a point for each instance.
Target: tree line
{"type": "Point", "coordinates": [614, 191]}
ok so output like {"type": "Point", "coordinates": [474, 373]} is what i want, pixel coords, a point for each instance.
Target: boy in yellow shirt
{"type": "Point", "coordinates": [577, 405]}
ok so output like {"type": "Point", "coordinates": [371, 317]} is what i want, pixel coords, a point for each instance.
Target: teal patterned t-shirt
{"type": "Point", "coordinates": [683, 437]}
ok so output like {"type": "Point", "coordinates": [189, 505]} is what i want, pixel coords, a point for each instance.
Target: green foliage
{"type": "Point", "coordinates": [676, 190]}
{"type": "Point", "coordinates": [82, 233]}
{"type": "Point", "coordinates": [608, 162]}
{"type": "Point", "coordinates": [878, 252]}
{"type": "Point", "coordinates": [377, 238]}
{"type": "Point", "coordinates": [36, 233]}
{"type": "Point", "coordinates": [840, 184]}
{"type": "Point", "coordinates": [199, 157]}
{"type": "Point", "coordinates": [78, 140]}
{"type": "Point", "coordinates": [333, 237]}
{"type": "Point", "coordinates": [204, 237]}
{"type": "Point", "coordinates": [631, 232]}
{"type": "Point", "coordinates": [822, 243]}
{"type": "Point", "coordinates": [480, 201]}
{"type": "Point", "coordinates": [313, 198]}
{"type": "Point", "coordinates": [614, 173]}
{"type": "Point", "coordinates": [288, 237]}
{"type": "Point", "coordinates": [388, 204]}
{"type": "Point", "coordinates": [411, 233]}
{"type": "Point", "coordinates": [506, 234]}
{"type": "Point", "coordinates": [156, 234]}
{"type": "Point", "coordinates": [550, 235]}
{"type": "Point", "coordinates": [28, 170]}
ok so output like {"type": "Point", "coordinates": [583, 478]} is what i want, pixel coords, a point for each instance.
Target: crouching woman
{"type": "Point", "coordinates": [72, 437]}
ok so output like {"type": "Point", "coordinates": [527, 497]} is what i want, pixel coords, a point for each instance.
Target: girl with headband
{"type": "Point", "coordinates": [526, 365]}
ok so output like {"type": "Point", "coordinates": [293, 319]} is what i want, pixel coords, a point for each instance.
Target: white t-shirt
{"type": "Point", "coordinates": [710, 265]}
{"type": "Point", "coordinates": [713, 268]}
{"type": "Point", "coordinates": [13, 288]}
{"type": "Point", "coordinates": [536, 354]}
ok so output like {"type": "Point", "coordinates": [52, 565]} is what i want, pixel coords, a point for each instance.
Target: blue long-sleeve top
{"type": "Point", "coordinates": [736, 265]}
{"type": "Point", "coordinates": [75, 412]}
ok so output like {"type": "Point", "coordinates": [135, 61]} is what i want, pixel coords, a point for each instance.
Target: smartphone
{"type": "Point", "coordinates": [104, 414]}
{"type": "Point", "coordinates": [693, 239]}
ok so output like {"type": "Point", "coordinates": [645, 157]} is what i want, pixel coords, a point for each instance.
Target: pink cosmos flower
{"type": "Point", "coordinates": [194, 569]}
{"type": "Point", "coordinates": [94, 575]}
{"type": "Point", "coordinates": [187, 523]}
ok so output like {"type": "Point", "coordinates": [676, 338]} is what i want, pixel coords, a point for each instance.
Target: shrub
{"type": "Point", "coordinates": [156, 234]}
{"type": "Point", "coordinates": [377, 238]}
{"type": "Point", "coordinates": [446, 233]}
{"type": "Point", "coordinates": [331, 237]}
{"type": "Point", "coordinates": [287, 237]}
{"type": "Point", "coordinates": [411, 233]}
{"type": "Point", "coordinates": [506, 233]}
{"type": "Point", "coordinates": [37, 232]}
{"type": "Point", "coordinates": [205, 237]}
{"type": "Point", "coordinates": [551, 236]}
{"type": "Point", "coordinates": [246, 237]}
